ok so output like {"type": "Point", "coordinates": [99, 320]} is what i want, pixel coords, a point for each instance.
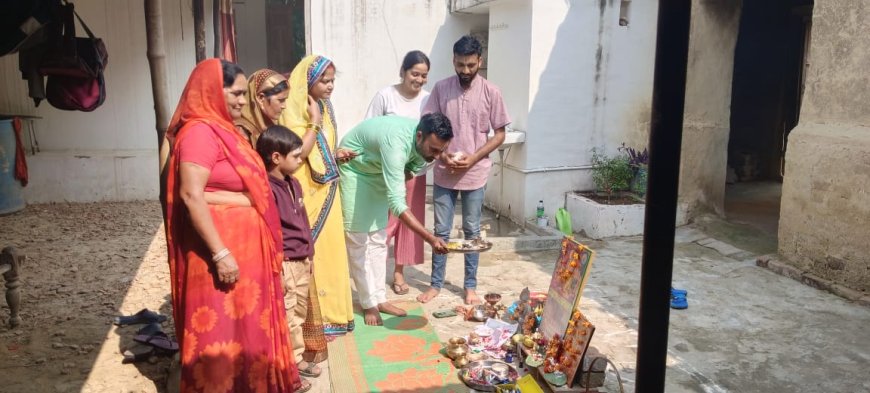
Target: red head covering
{"type": "Point", "coordinates": [203, 102]}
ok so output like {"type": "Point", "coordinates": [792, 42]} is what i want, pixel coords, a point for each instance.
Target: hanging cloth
{"type": "Point", "coordinates": [20, 160]}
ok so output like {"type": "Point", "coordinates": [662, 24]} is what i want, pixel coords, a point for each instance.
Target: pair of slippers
{"type": "Point", "coordinates": [678, 299]}
{"type": "Point", "coordinates": [156, 342]}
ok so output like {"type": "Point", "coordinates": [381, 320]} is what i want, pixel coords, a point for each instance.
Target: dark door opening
{"type": "Point", "coordinates": [769, 64]}
{"type": "Point", "coordinates": [285, 34]}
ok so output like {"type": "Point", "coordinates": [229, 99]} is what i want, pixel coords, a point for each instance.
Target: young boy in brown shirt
{"type": "Point", "coordinates": [281, 151]}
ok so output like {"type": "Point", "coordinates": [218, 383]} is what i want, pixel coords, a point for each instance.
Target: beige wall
{"type": "Point", "coordinates": [109, 154]}
{"type": "Point", "coordinates": [824, 222]}
{"type": "Point", "coordinates": [706, 124]}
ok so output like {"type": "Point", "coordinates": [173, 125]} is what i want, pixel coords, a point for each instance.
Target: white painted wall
{"type": "Point", "coordinates": [367, 41]}
{"type": "Point", "coordinates": [111, 153]}
{"type": "Point", "coordinates": [588, 84]}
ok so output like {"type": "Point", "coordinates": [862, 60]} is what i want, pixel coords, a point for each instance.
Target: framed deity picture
{"type": "Point", "coordinates": [569, 277]}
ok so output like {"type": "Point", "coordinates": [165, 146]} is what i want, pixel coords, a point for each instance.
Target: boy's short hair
{"type": "Point", "coordinates": [277, 139]}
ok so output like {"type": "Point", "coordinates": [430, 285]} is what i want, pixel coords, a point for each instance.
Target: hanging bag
{"type": "Point", "coordinates": [75, 72]}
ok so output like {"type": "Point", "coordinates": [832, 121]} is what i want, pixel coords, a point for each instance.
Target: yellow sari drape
{"type": "Point", "coordinates": [318, 177]}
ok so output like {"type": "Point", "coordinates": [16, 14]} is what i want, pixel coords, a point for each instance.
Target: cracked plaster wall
{"type": "Point", "coordinates": [825, 212]}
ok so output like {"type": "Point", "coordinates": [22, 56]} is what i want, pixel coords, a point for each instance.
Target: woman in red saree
{"type": "Point", "coordinates": [224, 259]}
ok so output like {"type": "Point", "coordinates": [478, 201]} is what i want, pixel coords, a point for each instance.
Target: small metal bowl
{"type": "Point", "coordinates": [478, 313]}
{"type": "Point", "coordinates": [492, 298]}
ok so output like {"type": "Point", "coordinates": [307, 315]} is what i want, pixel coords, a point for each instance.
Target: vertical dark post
{"type": "Point", "coordinates": [216, 27]}
{"type": "Point", "coordinates": [669, 95]}
{"type": "Point", "coordinates": [199, 29]}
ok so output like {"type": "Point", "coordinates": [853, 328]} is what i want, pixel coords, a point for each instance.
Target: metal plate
{"type": "Point", "coordinates": [487, 247]}
{"type": "Point", "coordinates": [487, 364]}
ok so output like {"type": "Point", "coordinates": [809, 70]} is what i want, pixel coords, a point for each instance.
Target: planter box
{"type": "Point", "coordinates": [600, 221]}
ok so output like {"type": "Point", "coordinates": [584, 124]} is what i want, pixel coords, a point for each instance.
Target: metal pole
{"type": "Point", "coordinates": [669, 94]}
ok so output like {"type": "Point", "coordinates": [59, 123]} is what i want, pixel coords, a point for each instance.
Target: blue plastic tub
{"type": "Point", "coordinates": [10, 188]}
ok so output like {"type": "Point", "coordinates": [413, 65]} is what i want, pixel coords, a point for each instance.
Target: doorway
{"type": "Point", "coordinates": [769, 67]}
{"type": "Point", "coordinates": [270, 34]}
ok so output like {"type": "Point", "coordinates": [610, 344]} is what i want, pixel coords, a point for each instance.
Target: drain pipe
{"type": "Point", "coordinates": [665, 138]}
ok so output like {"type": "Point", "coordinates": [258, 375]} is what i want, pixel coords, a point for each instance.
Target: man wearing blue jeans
{"type": "Point", "coordinates": [474, 106]}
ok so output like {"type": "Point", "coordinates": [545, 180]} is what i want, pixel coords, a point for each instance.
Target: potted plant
{"type": "Point", "coordinates": [611, 174]}
{"type": "Point", "coordinates": [638, 161]}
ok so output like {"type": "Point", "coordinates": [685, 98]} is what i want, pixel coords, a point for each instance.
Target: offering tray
{"type": "Point", "coordinates": [484, 375]}
{"type": "Point", "coordinates": [466, 246]}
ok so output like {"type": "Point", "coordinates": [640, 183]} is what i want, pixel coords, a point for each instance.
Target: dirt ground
{"type": "Point", "coordinates": [82, 260]}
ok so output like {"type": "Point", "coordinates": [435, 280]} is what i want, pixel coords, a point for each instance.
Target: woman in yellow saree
{"type": "Point", "coordinates": [309, 114]}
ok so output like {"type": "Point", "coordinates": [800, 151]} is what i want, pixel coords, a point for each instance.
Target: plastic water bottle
{"type": "Point", "coordinates": [540, 212]}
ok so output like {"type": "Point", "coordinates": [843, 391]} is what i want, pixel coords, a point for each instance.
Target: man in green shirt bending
{"type": "Point", "coordinates": [389, 150]}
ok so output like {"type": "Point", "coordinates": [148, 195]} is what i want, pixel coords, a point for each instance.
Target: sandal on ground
{"type": "Point", "coordinates": [150, 329]}
{"type": "Point", "coordinates": [310, 371]}
{"type": "Point", "coordinates": [679, 302]}
{"type": "Point", "coordinates": [142, 317]}
{"type": "Point", "coordinates": [306, 386]}
{"type": "Point", "coordinates": [158, 340]}
{"type": "Point", "coordinates": [400, 289]}
{"type": "Point", "coordinates": [143, 353]}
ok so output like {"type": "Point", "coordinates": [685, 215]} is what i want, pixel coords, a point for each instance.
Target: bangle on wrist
{"type": "Point", "coordinates": [221, 254]}
{"type": "Point", "coordinates": [314, 126]}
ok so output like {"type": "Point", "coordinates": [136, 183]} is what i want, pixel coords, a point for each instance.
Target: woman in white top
{"type": "Point", "coordinates": [406, 98]}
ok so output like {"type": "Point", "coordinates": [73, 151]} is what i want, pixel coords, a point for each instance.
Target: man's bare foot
{"type": "Point", "coordinates": [389, 308]}
{"type": "Point", "coordinates": [428, 295]}
{"type": "Point", "coordinates": [471, 297]}
{"type": "Point", "coordinates": [373, 316]}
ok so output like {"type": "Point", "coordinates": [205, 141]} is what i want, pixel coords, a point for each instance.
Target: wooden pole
{"type": "Point", "coordinates": [216, 27]}
{"type": "Point", "coordinates": [665, 141]}
{"type": "Point", "coordinates": [199, 29]}
{"type": "Point", "coordinates": [156, 53]}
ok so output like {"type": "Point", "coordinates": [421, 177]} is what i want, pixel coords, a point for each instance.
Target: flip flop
{"type": "Point", "coordinates": [139, 355]}
{"type": "Point", "coordinates": [157, 340]}
{"type": "Point", "coordinates": [400, 289]}
{"type": "Point", "coordinates": [143, 316]}
{"type": "Point", "coordinates": [309, 371]}
{"type": "Point", "coordinates": [150, 329]}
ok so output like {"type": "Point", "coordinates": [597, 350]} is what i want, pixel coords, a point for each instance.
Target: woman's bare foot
{"type": "Point", "coordinates": [471, 297]}
{"type": "Point", "coordinates": [373, 316]}
{"type": "Point", "coordinates": [389, 308]}
{"type": "Point", "coordinates": [428, 295]}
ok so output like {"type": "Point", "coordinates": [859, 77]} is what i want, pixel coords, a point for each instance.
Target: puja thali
{"type": "Point", "coordinates": [484, 375]}
{"type": "Point", "coordinates": [466, 246]}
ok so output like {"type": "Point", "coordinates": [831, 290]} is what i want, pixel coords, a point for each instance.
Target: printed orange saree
{"type": "Point", "coordinates": [234, 337]}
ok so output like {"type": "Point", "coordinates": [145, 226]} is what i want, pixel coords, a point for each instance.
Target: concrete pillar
{"type": "Point", "coordinates": [713, 37]}
{"type": "Point", "coordinates": [825, 215]}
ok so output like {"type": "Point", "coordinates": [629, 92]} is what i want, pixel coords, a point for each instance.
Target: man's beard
{"type": "Point", "coordinates": [465, 80]}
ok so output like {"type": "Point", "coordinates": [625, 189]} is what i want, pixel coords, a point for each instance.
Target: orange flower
{"type": "Point", "coordinates": [398, 348]}
{"type": "Point", "coordinates": [242, 299]}
{"type": "Point", "coordinates": [260, 375]}
{"type": "Point", "coordinates": [217, 367]}
{"type": "Point", "coordinates": [188, 349]}
{"type": "Point", "coordinates": [266, 321]}
{"type": "Point", "coordinates": [412, 380]}
{"type": "Point", "coordinates": [203, 319]}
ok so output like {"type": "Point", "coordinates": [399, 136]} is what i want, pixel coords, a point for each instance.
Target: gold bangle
{"type": "Point", "coordinates": [315, 127]}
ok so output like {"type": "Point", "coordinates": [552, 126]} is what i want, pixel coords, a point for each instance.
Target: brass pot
{"type": "Point", "coordinates": [456, 341]}
{"type": "Point", "coordinates": [458, 351]}
{"type": "Point", "coordinates": [460, 362]}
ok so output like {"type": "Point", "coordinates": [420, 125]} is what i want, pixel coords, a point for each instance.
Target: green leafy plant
{"type": "Point", "coordinates": [611, 174]}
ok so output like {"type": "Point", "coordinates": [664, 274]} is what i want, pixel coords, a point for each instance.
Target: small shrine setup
{"type": "Point", "coordinates": [537, 343]}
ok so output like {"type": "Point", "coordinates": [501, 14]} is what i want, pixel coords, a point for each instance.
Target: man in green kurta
{"type": "Point", "coordinates": [389, 150]}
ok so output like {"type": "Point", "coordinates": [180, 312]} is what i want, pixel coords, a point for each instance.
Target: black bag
{"type": "Point", "coordinates": [74, 56]}
{"type": "Point", "coordinates": [75, 69]}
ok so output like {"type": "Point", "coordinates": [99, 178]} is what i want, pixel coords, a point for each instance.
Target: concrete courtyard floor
{"type": "Point", "coordinates": [746, 328]}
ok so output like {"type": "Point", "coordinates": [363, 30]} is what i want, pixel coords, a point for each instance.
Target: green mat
{"type": "Point", "coordinates": [401, 356]}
